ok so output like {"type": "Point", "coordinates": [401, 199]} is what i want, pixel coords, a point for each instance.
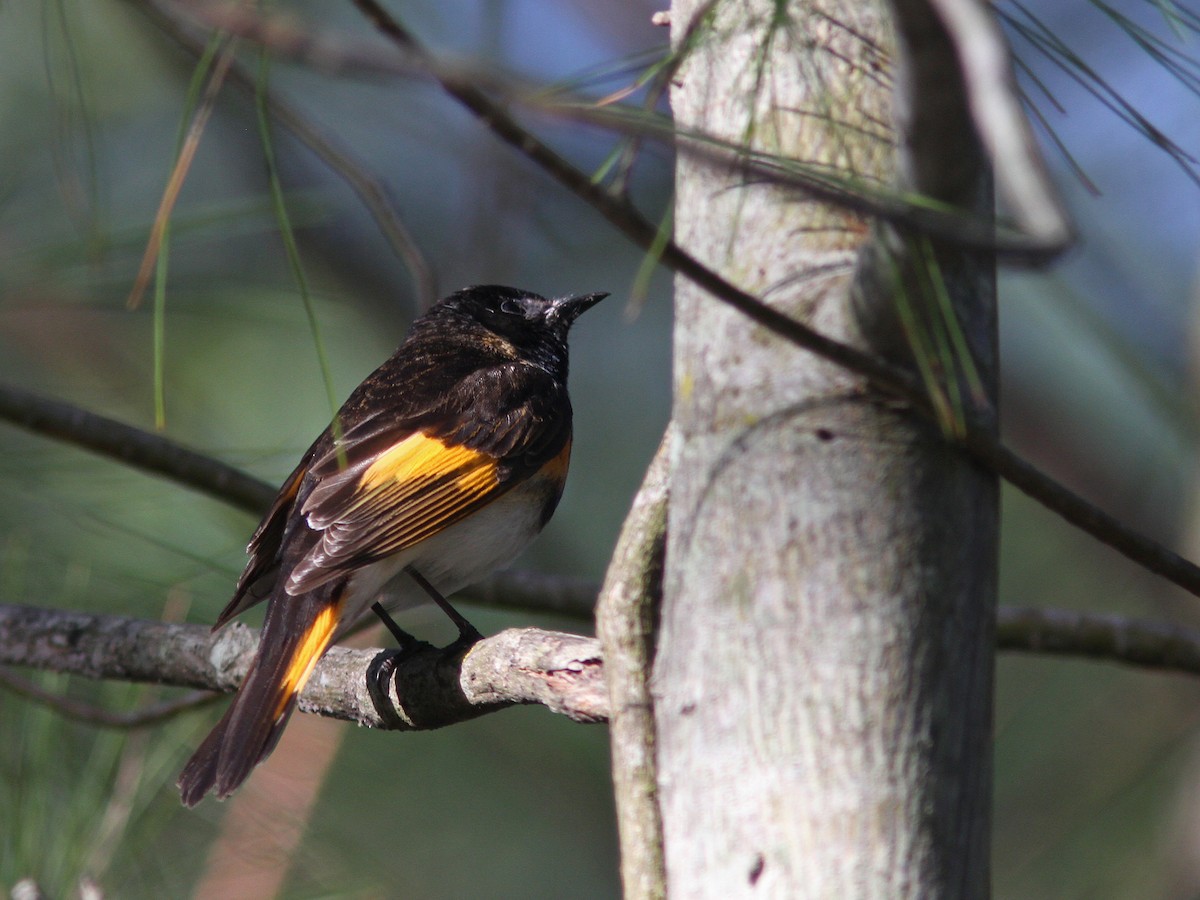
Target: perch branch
{"type": "Point", "coordinates": [431, 688]}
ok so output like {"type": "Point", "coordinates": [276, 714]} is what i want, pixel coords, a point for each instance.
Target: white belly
{"type": "Point", "coordinates": [464, 553]}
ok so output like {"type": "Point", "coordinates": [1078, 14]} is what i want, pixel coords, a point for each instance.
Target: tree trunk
{"type": "Point", "coordinates": [822, 685]}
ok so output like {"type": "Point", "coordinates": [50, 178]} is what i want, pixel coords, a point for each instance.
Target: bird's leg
{"type": "Point", "coordinates": [406, 641]}
{"type": "Point", "coordinates": [467, 633]}
{"type": "Point", "coordinates": [382, 671]}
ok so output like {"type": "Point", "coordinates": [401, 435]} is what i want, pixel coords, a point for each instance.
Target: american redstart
{"type": "Point", "coordinates": [439, 468]}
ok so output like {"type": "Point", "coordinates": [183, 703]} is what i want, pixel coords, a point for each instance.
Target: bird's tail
{"type": "Point", "coordinates": [296, 633]}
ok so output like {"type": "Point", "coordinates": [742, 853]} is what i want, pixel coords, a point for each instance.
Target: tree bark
{"type": "Point", "coordinates": [626, 622]}
{"type": "Point", "coordinates": [822, 684]}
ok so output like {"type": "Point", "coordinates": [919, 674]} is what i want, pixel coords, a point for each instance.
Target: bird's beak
{"type": "Point", "coordinates": [568, 309]}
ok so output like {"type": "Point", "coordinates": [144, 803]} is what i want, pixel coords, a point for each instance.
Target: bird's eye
{"type": "Point", "coordinates": [512, 307]}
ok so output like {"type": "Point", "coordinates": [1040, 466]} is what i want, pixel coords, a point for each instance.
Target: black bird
{"type": "Point", "coordinates": [439, 468]}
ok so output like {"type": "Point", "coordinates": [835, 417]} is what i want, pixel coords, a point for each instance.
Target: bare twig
{"type": "Point", "coordinates": [159, 455]}
{"type": "Point", "coordinates": [430, 689]}
{"type": "Point", "coordinates": [536, 591]}
{"type": "Point", "coordinates": [471, 83]}
{"type": "Point", "coordinates": [1099, 637]}
{"type": "Point", "coordinates": [105, 718]}
{"type": "Point", "coordinates": [1106, 528]}
{"type": "Point", "coordinates": [135, 447]}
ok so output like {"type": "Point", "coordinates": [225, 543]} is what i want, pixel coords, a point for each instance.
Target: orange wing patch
{"type": "Point", "coordinates": [304, 658]}
{"type": "Point", "coordinates": [417, 457]}
{"type": "Point", "coordinates": [419, 487]}
{"type": "Point", "coordinates": [406, 494]}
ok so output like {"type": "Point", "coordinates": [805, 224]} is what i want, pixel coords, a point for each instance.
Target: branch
{"type": "Point", "coordinates": [562, 595]}
{"type": "Point", "coordinates": [135, 447]}
{"type": "Point", "coordinates": [90, 714]}
{"type": "Point", "coordinates": [1100, 637]}
{"type": "Point", "coordinates": [284, 38]}
{"type": "Point", "coordinates": [431, 688]}
{"type": "Point", "coordinates": [157, 455]}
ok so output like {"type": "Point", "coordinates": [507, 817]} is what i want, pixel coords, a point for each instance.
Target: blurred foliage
{"type": "Point", "coordinates": [1095, 766]}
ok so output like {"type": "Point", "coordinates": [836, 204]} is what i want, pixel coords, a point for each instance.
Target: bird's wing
{"type": "Point", "coordinates": [386, 488]}
{"type": "Point", "coordinates": [399, 395]}
{"type": "Point", "coordinates": [401, 474]}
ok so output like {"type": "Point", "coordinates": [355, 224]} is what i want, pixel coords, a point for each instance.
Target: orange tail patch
{"type": "Point", "coordinates": [295, 636]}
{"type": "Point", "coordinates": [304, 658]}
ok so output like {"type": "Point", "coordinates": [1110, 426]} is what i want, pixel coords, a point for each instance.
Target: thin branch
{"type": "Point", "coordinates": [430, 689]}
{"type": "Point", "coordinates": [135, 447]}
{"type": "Point", "coordinates": [90, 714]}
{"type": "Point", "coordinates": [1085, 516]}
{"type": "Point", "coordinates": [158, 455]}
{"type": "Point", "coordinates": [563, 595]}
{"type": "Point", "coordinates": [470, 83]}
{"type": "Point", "coordinates": [1103, 638]}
